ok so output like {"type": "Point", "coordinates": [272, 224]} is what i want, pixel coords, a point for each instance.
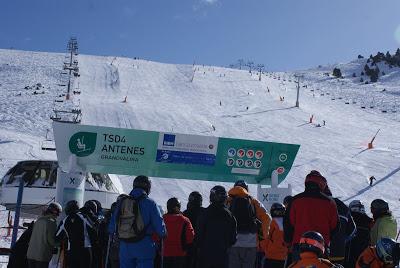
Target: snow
{"type": "Point", "coordinates": [161, 97]}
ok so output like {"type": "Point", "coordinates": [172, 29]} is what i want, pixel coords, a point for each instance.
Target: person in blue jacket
{"type": "Point", "coordinates": [140, 254]}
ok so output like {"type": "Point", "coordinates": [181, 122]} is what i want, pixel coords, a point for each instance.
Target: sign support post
{"type": "Point", "coordinates": [17, 211]}
{"type": "Point", "coordinates": [273, 194]}
{"type": "Point", "coordinates": [70, 184]}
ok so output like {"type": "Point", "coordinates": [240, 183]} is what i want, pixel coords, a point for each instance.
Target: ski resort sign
{"type": "Point", "coordinates": [171, 155]}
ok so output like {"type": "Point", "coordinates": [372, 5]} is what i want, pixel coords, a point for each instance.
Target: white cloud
{"type": "Point", "coordinates": [210, 2]}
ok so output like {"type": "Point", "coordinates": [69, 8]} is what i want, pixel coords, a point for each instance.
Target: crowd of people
{"type": "Point", "coordinates": [310, 229]}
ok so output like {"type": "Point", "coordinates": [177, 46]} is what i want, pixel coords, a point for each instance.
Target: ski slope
{"type": "Point", "coordinates": [164, 97]}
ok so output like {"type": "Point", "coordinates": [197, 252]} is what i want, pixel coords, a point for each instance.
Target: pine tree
{"type": "Point", "coordinates": [337, 73]}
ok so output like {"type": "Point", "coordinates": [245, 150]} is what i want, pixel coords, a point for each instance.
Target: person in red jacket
{"type": "Point", "coordinates": [180, 235]}
{"type": "Point", "coordinates": [310, 210]}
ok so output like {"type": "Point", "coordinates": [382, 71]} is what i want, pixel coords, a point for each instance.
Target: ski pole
{"type": "Point", "coordinates": [398, 233]}
{"type": "Point", "coordinates": [162, 252]}
{"type": "Point", "coordinates": [58, 259]}
{"type": "Point", "coordinates": [110, 238]}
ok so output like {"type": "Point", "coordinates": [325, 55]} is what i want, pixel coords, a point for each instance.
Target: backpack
{"type": "Point", "coordinates": [131, 227]}
{"type": "Point", "coordinates": [244, 212]}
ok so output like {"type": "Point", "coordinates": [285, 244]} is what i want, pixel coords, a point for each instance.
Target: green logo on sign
{"type": "Point", "coordinates": [83, 143]}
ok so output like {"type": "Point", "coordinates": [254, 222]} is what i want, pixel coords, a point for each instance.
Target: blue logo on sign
{"type": "Point", "coordinates": [169, 140]}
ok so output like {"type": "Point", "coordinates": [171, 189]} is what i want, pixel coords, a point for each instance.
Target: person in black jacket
{"type": "Point", "coordinates": [80, 234]}
{"type": "Point", "coordinates": [362, 237]}
{"type": "Point", "coordinates": [345, 234]}
{"type": "Point", "coordinates": [193, 210]}
{"type": "Point", "coordinates": [216, 231]}
{"type": "Point", "coordinates": [18, 257]}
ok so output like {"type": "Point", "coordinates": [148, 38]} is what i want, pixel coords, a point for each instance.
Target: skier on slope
{"type": "Point", "coordinates": [371, 180]}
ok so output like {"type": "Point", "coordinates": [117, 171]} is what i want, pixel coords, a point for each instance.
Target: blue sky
{"type": "Point", "coordinates": [282, 34]}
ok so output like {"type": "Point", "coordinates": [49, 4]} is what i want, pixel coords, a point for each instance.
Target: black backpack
{"type": "Point", "coordinates": [245, 214]}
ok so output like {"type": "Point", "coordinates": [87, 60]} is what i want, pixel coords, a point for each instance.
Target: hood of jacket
{"type": "Point", "coordinates": [137, 192]}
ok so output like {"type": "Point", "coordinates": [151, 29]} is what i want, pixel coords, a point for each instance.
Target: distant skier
{"type": "Point", "coordinates": [220, 103]}
{"type": "Point", "coordinates": [371, 180]}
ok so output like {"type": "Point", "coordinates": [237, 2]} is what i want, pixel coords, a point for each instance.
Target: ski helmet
{"type": "Point", "coordinates": [314, 242]}
{"type": "Point", "coordinates": [72, 206]}
{"type": "Point", "coordinates": [287, 200]}
{"type": "Point", "coordinates": [384, 249]}
{"type": "Point", "coordinates": [99, 207]}
{"type": "Point", "coordinates": [379, 207]}
{"type": "Point", "coordinates": [195, 198]}
{"type": "Point", "coordinates": [121, 196]}
{"type": "Point", "coordinates": [54, 208]}
{"type": "Point", "coordinates": [315, 178]}
{"type": "Point", "coordinates": [218, 194]}
{"type": "Point", "coordinates": [172, 204]}
{"type": "Point", "coordinates": [91, 205]}
{"type": "Point", "coordinates": [142, 182]}
{"type": "Point", "coordinates": [277, 210]}
{"type": "Point", "coordinates": [242, 184]}
{"type": "Point", "coordinates": [357, 206]}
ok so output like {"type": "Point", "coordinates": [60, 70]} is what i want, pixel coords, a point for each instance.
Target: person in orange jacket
{"type": "Point", "coordinates": [312, 249]}
{"type": "Point", "coordinates": [180, 235]}
{"type": "Point", "coordinates": [253, 223]}
{"type": "Point", "coordinates": [276, 249]}
{"type": "Point", "coordinates": [384, 255]}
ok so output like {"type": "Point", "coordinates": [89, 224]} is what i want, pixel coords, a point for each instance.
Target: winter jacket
{"type": "Point", "coordinates": [42, 240]}
{"type": "Point", "coordinates": [216, 234]}
{"type": "Point", "coordinates": [145, 248]}
{"type": "Point", "coordinates": [310, 210]}
{"type": "Point", "coordinates": [180, 235]}
{"type": "Point", "coordinates": [252, 240]}
{"type": "Point", "coordinates": [276, 248]}
{"type": "Point", "coordinates": [346, 232]}
{"type": "Point", "coordinates": [310, 259]}
{"type": "Point", "coordinates": [78, 230]}
{"type": "Point", "coordinates": [192, 213]}
{"type": "Point", "coordinates": [361, 240]}
{"type": "Point", "coordinates": [18, 252]}
{"type": "Point", "coordinates": [369, 259]}
{"type": "Point", "coordinates": [384, 226]}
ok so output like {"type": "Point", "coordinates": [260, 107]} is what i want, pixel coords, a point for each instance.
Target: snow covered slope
{"type": "Point", "coordinates": [162, 97]}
